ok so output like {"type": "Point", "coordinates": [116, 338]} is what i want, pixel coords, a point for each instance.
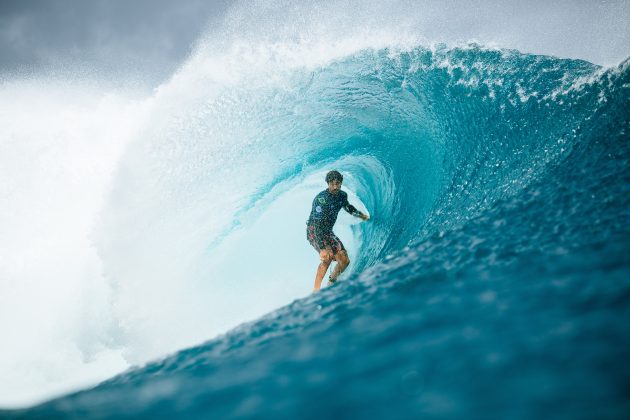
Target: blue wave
{"type": "Point", "coordinates": [493, 280]}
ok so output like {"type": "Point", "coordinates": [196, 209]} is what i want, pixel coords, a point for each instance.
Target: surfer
{"type": "Point", "coordinates": [326, 206]}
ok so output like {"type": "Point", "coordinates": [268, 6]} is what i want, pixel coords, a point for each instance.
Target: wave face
{"type": "Point", "coordinates": [491, 281]}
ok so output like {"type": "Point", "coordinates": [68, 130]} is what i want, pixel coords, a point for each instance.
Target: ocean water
{"type": "Point", "coordinates": [491, 282]}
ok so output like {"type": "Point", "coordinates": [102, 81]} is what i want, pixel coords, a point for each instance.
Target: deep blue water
{"type": "Point", "coordinates": [492, 282]}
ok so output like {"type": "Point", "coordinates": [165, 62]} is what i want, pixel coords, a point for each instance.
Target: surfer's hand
{"type": "Point", "coordinates": [365, 217]}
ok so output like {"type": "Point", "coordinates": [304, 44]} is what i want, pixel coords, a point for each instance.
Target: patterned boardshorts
{"type": "Point", "coordinates": [330, 241]}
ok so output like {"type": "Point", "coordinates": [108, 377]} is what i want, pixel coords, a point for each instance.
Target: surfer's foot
{"type": "Point", "coordinates": [331, 281]}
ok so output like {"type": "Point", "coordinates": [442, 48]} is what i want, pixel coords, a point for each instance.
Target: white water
{"type": "Point", "coordinates": [58, 147]}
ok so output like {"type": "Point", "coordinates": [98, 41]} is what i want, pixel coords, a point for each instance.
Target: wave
{"type": "Point", "coordinates": [492, 280]}
{"type": "Point", "coordinates": [456, 152]}
{"type": "Point", "coordinates": [428, 138]}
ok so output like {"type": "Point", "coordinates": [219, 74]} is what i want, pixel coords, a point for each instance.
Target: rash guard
{"type": "Point", "coordinates": [324, 213]}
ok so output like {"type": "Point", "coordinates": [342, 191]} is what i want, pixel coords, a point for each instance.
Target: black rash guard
{"type": "Point", "coordinates": [324, 213]}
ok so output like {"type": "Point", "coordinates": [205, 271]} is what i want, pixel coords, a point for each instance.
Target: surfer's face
{"type": "Point", "coordinates": [334, 186]}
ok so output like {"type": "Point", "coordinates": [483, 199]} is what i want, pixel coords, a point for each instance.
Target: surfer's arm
{"type": "Point", "coordinates": [353, 211]}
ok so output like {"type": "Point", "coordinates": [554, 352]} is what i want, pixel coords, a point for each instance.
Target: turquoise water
{"type": "Point", "coordinates": [491, 282]}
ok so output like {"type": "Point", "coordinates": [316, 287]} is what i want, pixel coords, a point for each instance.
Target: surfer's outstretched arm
{"type": "Point", "coordinates": [353, 211]}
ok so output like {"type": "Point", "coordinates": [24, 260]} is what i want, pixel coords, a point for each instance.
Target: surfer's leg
{"type": "Point", "coordinates": [342, 263]}
{"type": "Point", "coordinates": [341, 256]}
{"type": "Point", "coordinates": [325, 257]}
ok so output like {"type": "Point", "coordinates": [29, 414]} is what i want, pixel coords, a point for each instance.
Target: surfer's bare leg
{"type": "Point", "coordinates": [342, 263]}
{"type": "Point", "coordinates": [325, 257]}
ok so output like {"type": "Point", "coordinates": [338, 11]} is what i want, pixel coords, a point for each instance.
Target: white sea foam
{"type": "Point", "coordinates": [59, 143]}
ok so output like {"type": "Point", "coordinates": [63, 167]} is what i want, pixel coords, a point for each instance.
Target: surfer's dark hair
{"type": "Point", "coordinates": [333, 176]}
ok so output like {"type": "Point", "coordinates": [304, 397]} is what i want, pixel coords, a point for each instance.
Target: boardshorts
{"type": "Point", "coordinates": [330, 241]}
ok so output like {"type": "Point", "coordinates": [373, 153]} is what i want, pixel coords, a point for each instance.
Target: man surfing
{"type": "Point", "coordinates": [326, 206]}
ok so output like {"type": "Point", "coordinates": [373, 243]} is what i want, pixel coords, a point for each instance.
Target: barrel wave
{"type": "Point", "coordinates": [490, 282]}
